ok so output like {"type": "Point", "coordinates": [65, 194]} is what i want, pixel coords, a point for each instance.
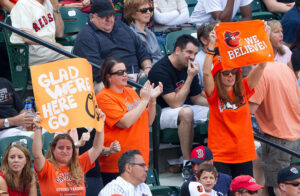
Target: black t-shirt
{"type": "Point", "coordinates": [10, 102]}
{"type": "Point", "coordinates": [286, 1]}
{"type": "Point", "coordinates": [172, 80]}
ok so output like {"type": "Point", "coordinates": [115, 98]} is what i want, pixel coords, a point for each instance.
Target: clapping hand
{"type": "Point", "coordinates": [155, 92]}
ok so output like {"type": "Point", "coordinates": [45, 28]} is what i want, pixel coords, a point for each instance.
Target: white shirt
{"type": "Point", "coordinates": [121, 186]}
{"type": "Point", "coordinates": [204, 8]}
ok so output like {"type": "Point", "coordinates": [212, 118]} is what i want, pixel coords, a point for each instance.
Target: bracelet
{"type": "Point", "coordinates": [212, 53]}
{"type": "Point", "coordinates": [209, 55]}
{"type": "Point", "coordinates": [210, 50]}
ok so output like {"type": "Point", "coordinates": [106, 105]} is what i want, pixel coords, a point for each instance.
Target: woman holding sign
{"type": "Point", "coordinates": [128, 116]}
{"type": "Point", "coordinates": [62, 171]}
{"type": "Point", "coordinates": [230, 134]}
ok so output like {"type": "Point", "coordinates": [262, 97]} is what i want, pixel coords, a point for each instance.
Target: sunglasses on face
{"type": "Point", "coordinates": [295, 184]}
{"type": "Point", "coordinates": [226, 73]}
{"type": "Point", "coordinates": [248, 191]}
{"type": "Point", "coordinates": [144, 10]}
{"type": "Point", "coordinates": [119, 72]}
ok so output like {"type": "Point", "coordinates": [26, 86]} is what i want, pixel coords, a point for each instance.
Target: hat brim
{"type": "Point", "coordinates": [195, 160]}
{"type": "Point", "coordinates": [106, 13]}
{"type": "Point", "coordinates": [253, 187]}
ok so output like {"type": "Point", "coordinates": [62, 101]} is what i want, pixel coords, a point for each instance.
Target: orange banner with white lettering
{"type": "Point", "coordinates": [243, 43]}
{"type": "Point", "coordinates": [64, 95]}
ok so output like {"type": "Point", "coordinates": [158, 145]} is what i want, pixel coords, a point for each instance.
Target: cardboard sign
{"type": "Point", "coordinates": [64, 95]}
{"type": "Point", "coordinates": [243, 43]}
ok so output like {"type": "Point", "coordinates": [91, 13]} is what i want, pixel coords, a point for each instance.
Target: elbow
{"type": "Point", "coordinates": [173, 106]}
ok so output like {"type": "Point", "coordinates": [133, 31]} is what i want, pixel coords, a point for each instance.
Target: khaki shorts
{"type": "Point", "coordinates": [274, 159]}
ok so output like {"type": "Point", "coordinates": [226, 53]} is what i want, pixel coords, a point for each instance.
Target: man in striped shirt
{"type": "Point", "coordinates": [133, 172]}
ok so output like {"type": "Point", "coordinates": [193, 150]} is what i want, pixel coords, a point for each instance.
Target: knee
{"type": "Point", "coordinates": [186, 115]}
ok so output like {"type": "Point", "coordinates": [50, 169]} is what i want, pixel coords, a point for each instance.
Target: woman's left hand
{"type": "Point", "coordinates": [155, 92]}
{"type": "Point", "coordinates": [101, 114]}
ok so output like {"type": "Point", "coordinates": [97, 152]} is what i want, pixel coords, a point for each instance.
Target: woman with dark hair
{"type": "Point", "coordinates": [230, 134]}
{"type": "Point", "coordinates": [128, 116]}
{"type": "Point", "coordinates": [138, 14]}
{"type": "Point", "coordinates": [17, 177]}
{"type": "Point", "coordinates": [62, 171]}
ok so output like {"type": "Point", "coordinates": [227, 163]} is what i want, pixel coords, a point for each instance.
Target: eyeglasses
{"type": "Point", "coordinates": [119, 72]}
{"type": "Point", "coordinates": [139, 164]}
{"type": "Point", "coordinates": [295, 184]}
{"type": "Point", "coordinates": [226, 73]}
{"type": "Point", "coordinates": [144, 10]}
{"type": "Point", "coordinates": [248, 191]}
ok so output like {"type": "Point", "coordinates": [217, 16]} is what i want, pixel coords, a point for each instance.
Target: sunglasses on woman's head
{"type": "Point", "coordinates": [144, 10]}
{"type": "Point", "coordinates": [248, 191]}
{"type": "Point", "coordinates": [295, 184]}
{"type": "Point", "coordinates": [22, 142]}
{"type": "Point", "coordinates": [119, 72]}
{"type": "Point", "coordinates": [226, 73]}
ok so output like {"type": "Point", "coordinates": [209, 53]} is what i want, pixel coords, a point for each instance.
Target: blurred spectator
{"type": "Point", "coordinates": [102, 37]}
{"type": "Point", "coordinates": [62, 171]}
{"type": "Point", "coordinates": [182, 104]}
{"type": "Point", "coordinates": [223, 10]}
{"type": "Point", "coordinates": [13, 119]}
{"type": "Point", "coordinates": [244, 185]}
{"type": "Point", "coordinates": [280, 6]}
{"type": "Point", "coordinates": [291, 23]}
{"type": "Point", "coordinates": [203, 155]}
{"type": "Point", "coordinates": [203, 37]}
{"type": "Point", "coordinates": [128, 116]}
{"type": "Point", "coordinates": [138, 14]}
{"type": "Point", "coordinates": [83, 5]}
{"type": "Point", "coordinates": [289, 180]}
{"type": "Point", "coordinates": [17, 177]}
{"type": "Point", "coordinates": [42, 20]}
{"type": "Point", "coordinates": [281, 52]}
{"type": "Point", "coordinates": [228, 97]}
{"type": "Point", "coordinates": [173, 12]}
{"type": "Point", "coordinates": [133, 174]}
{"type": "Point", "coordinates": [296, 44]}
{"type": "Point", "coordinates": [207, 176]}
{"type": "Point", "coordinates": [277, 87]}
{"type": "Point", "coordinates": [296, 64]}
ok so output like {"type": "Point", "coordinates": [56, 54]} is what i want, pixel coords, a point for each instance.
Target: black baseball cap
{"type": "Point", "coordinates": [287, 174]}
{"type": "Point", "coordinates": [102, 8]}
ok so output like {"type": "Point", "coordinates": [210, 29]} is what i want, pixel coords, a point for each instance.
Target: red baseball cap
{"type": "Point", "coordinates": [244, 182]}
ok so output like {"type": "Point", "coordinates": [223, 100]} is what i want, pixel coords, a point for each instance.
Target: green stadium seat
{"type": "Point", "coordinates": [18, 56]}
{"type": "Point", "coordinates": [47, 139]}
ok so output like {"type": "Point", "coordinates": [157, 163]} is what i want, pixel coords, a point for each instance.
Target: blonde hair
{"type": "Point", "coordinates": [75, 168]}
{"type": "Point", "coordinates": [273, 25]}
{"type": "Point", "coordinates": [131, 7]}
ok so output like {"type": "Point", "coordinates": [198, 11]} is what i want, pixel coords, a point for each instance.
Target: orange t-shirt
{"type": "Point", "coordinates": [277, 94]}
{"type": "Point", "coordinates": [115, 106]}
{"type": "Point", "coordinates": [230, 133]}
{"type": "Point", "coordinates": [59, 182]}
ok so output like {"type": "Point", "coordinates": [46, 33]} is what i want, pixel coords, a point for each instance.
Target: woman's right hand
{"type": "Point", "coordinates": [145, 92]}
{"type": "Point", "coordinates": [212, 40]}
{"type": "Point", "coordinates": [36, 122]}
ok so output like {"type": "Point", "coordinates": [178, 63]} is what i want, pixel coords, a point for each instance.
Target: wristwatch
{"type": "Point", "coordinates": [6, 123]}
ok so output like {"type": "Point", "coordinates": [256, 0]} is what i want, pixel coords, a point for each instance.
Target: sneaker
{"type": "Point", "coordinates": [187, 171]}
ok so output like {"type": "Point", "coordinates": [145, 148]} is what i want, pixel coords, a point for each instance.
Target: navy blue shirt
{"type": "Point", "coordinates": [290, 24]}
{"type": "Point", "coordinates": [96, 45]}
{"type": "Point", "coordinates": [222, 186]}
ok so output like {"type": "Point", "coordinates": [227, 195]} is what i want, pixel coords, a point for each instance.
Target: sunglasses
{"type": "Point", "coordinates": [139, 164]}
{"type": "Point", "coordinates": [248, 191]}
{"type": "Point", "coordinates": [295, 184]}
{"type": "Point", "coordinates": [119, 72]}
{"type": "Point", "coordinates": [22, 142]}
{"type": "Point", "coordinates": [144, 10]}
{"type": "Point", "coordinates": [226, 73]}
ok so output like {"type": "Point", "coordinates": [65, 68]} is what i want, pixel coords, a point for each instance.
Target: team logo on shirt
{"type": "Point", "coordinates": [179, 85]}
{"type": "Point", "coordinates": [232, 38]}
{"type": "Point", "coordinates": [227, 105]}
{"type": "Point", "coordinates": [42, 22]}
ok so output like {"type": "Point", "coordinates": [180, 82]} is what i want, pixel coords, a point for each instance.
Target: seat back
{"type": "Point", "coordinates": [74, 20]}
{"type": "Point", "coordinates": [191, 5]}
{"type": "Point", "coordinates": [24, 140]}
{"type": "Point", "coordinates": [18, 60]}
{"type": "Point", "coordinates": [47, 139]}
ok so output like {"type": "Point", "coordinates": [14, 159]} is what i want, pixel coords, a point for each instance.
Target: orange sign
{"type": "Point", "coordinates": [243, 43]}
{"type": "Point", "coordinates": [64, 95]}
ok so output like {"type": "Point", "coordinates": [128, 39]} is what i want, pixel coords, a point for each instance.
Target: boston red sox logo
{"type": "Point", "coordinates": [200, 153]}
{"type": "Point", "coordinates": [231, 38]}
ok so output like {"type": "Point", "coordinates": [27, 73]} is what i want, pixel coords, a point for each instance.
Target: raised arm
{"type": "Point", "coordinates": [96, 149]}
{"type": "Point", "coordinates": [59, 23]}
{"type": "Point", "coordinates": [208, 80]}
{"type": "Point", "coordinates": [155, 92]}
{"type": "Point", "coordinates": [37, 145]}
{"type": "Point", "coordinates": [255, 75]}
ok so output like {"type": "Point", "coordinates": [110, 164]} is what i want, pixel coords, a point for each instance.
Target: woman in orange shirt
{"type": "Point", "coordinates": [230, 134]}
{"type": "Point", "coordinates": [128, 116]}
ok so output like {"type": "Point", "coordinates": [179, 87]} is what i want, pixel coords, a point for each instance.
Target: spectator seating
{"type": "Point", "coordinates": [47, 139]}
{"type": "Point", "coordinates": [3, 14]}
{"type": "Point", "coordinates": [156, 188]}
{"type": "Point", "coordinates": [74, 21]}
{"type": "Point", "coordinates": [18, 55]}
{"type": "Point", "coordinates": [23, 140]}
{"type": "Point", "coordinates": [191, 5]}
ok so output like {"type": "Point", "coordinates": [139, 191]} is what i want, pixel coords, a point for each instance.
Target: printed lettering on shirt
{"type": "Point", "coordinates": [70, 183]}
{"type": "Point", "coordinates": [5, 95]}
{"type": "Point", "coordinates": [227, 105]}
{"type": "Point", "coordinates": [179, 85]}
{"type": "Point", "coordinates": [132, 106]}
{"type": "Point", "coordinates": [42, 22]}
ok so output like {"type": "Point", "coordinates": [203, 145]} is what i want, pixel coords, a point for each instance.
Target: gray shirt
{"type": "Point", "coordinates": [150, 41]}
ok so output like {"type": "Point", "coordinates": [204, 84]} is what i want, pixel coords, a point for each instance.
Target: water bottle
{"type": "Point", "coordinates": [29, 111]}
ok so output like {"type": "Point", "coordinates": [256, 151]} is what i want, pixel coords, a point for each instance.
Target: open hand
{"type": "Point", "coordinates": [155, 92]}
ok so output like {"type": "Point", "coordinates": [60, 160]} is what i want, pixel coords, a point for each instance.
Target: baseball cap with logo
{"type": "Point", "coordinates": [102, 8]}
{"type": "Point", "coordinates": [244, 182]}
{"type": "Point", "coordinates": [201, 154]}
{"type": "Point", "coordinates": [287, 174]}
